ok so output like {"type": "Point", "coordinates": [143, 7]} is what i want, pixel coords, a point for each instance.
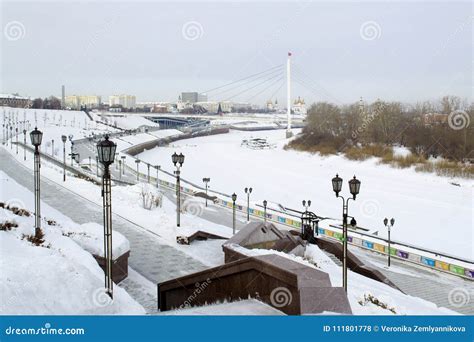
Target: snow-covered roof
{"type": "Point", "coordinates": [12, 96]}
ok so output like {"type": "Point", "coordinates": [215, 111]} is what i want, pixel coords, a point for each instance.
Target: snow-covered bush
{"type": "Point", "coordinates": [150, 198]}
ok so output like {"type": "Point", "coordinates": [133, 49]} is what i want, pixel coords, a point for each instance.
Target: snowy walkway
{"type": "Point", "coordinates": [212, 213]}
{"type": "Point", "coordinates": [434, 286]}
{"type": "Point", "coordinates": [153, 259]}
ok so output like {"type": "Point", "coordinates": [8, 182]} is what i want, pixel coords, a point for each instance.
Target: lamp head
{"type": "Point", "coordinates": [354, 186]}
{"type": "Point", "coordinates": [106, 151]}
{"type": "Point", "coordinates": [337, 184]}
{"type": "Point", "coordinates": [36, 137]}
{"type": "Point", "coordinates": [181, 159]}
{"type": "Point", "coordinates": [174, 158]}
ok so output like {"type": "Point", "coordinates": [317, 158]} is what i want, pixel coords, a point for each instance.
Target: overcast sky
{"type": "Point", "coordinates": [154, 50]}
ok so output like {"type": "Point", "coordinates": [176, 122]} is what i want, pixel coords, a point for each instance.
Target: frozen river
{"type": "Point", "coordinates": [429, 210]}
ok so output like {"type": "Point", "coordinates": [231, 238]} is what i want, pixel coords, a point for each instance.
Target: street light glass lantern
{"type": "Point", "coordinates": [36, 137]}
{"type": "Point", "coordinates": [63, 138]}
{"type": "Point", "coordinates": [265, 203]}
{"type": "Point", "coordinates": [392, 221]}
{"type": "Point", "coordinates": [106, 151]}
{"type": "Point", "coordinates": [181, 159]}
{"type": "Point", "coordinates": [385, 221]}
{"type": "Point", "coordinates": [354, 186]}
{"type": "Point", "coordinates": [174, 158]}
{"type": "Point", "coordinates": [234, 197]}
{"type": "Point", "coordinates": [337, 184]}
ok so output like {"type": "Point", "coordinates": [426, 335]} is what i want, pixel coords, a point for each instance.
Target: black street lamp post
{"type": "Point", "coordinates": [389, 226]}
{"type": "Point", "coordinates": [123, 165]}
{"type": "Point", "coordinates": [265, 211]}
{"type": "Point", "coordinates": [36, 136]}
{"type": "Point", "coordinates": [234, 198]}
{"type": "Point", "coordinates": [120, 169]}
{"type": "Point", "coordinates": [52, 148]}
{"type": "Point", "coordinates": [354, 187]}
{"type": "Point", "coordinates": [137, 161]}
{"type": "Point", "coordinates": [206, 181]}
{"type": "Point", "coordinates": [309, 223]}
{"type": "Point", "coordinates": [64, 139]}
{"type": "Point", "coordinates": [24, 144]}
{"type": "Point", "coordinates": [157, 167]}
{"type": "Point", "coordinates": [106, 153]}
{"type": "Point", "coordinates": [148, 172]}
{"type": "Point", "coordinates": [72, 153]}
{"type": "Point", "coordinates": [16, 132]}
{"type": "Point", "coordinates": [178, 160]}
{"type": "Point", "coordinates": [248, 191]}
{"type": "Point", "coordinates": [11, 137]}
{"type": "Point", "coordinates": [72, 147]}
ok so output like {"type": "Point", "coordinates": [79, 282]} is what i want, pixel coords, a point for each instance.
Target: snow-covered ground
{"type": "Point", "coordinates": [243, 307]}
{"type": "Point", "coordinates": [54, 124]}
{"type": "Point", "coordinates": [60, 276]}
{"type": "Point", "coordinates": [361, 289]}
{"type": "Point", "coordinates": [161, 221]}
{"type": "Point", "coordinates": [126, 121]}
{"type": "Point", "coordinates": [127, 141]}
{"type": "Point", "coordinates": [429, 211]}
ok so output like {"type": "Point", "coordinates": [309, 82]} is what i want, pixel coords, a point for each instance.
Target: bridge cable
{"type": "Point", "coordinates": [242, 79]}
{"type": "Point", "coordinates": [247, 82]}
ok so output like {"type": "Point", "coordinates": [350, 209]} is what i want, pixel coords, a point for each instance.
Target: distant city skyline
{"type": "Point", "coordinates": [156, 50]}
